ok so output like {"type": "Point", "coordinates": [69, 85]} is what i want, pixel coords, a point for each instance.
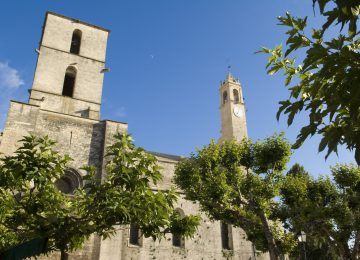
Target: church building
{"type": "Point", "coordinates": [65, 103]}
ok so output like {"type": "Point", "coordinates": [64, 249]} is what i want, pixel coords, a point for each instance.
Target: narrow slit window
{"type": "Point", "coordinates": [226, 236]}
{"type": "Point", "coordinates": [75, 42]}
{"type": "Point", "coordinates": [177, 240]}
{"type": "Point", "coordinates": [69, 82]}
{"type": "Point", "coordinates": [134, 235]}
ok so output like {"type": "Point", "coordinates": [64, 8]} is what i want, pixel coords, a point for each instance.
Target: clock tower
{"type": "Point", "coordinates": [232, 107]}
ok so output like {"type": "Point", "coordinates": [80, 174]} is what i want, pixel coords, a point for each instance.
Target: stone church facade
{"type": "Point", "coordinates": [64, 103]}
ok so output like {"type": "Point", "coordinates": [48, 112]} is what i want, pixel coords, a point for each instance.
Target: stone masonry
{"type": "Point", "coordinates": [64, 103]}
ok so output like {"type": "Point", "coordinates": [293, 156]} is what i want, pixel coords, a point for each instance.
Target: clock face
{"type": "Point", "coordinates": [237, 112]}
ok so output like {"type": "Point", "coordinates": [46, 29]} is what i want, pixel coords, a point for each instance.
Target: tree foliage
{"type": "Point", "coordinates": [238, 183]}
{"type": "Point", "coordinates": [325, 83]}
{"type": "Point", "coordinates": [31, 206]}
{"type": "Point", "coordinates": [328, 211]}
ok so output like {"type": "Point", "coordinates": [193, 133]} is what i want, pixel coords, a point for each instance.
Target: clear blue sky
{"type": "Point", "coordinates": [167, 58]}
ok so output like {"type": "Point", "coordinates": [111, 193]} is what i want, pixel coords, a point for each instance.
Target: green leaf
{"type": "Point", "coordinates": [321, 3]}
{"type": "Point", "coordinates": [323, 144]}
{"type": "Point", "coordinates": [352, 28]}
{"type": "Point", "coordinates": [283, 105]}
{"type": "Point", "coordinates": [331, 17]}
{"type": "Point", "coordinates": [317, 34]}
{"type": "Point", "coordinates": [357, 156]}
{"type": "Point", "coordinates": [264, 50]}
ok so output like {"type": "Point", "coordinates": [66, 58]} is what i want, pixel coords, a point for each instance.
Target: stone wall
{"type": "Point", "coordinates": [65, 105]}
{"type": "Point", "coordinates": [206, 243]}
{"type": "Point", "coordinates": [83, 139]}
{"type": "Point", "coordinates": [55, 58]}
{"type": "Point", "coordinates": [50, 72]}
{"type": "Point", "coordinates": [58, 32]}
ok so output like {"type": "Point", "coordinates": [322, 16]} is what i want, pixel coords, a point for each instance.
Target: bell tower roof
{"type": "Point", "coordinates": [230, 79]}
{"type": "Point", "coordinates": [229, 76]}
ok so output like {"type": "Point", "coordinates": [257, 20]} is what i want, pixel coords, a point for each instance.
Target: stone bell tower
{"type": "Point", "coordinates": [232, 107]}
{"type": "Point", "coordinates": [70, 68]}
{"type": "Point", "coordinates": [65, 98]}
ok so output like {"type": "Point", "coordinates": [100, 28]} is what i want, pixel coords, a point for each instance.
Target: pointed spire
{"type": "Point", "coordinates": [229, 76]}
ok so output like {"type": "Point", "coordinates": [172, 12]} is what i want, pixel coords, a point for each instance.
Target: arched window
{"type": "Point", "coordinates": [75, 42]}
{"type": "Point", "coordinates": [69, 82]}
{"type": "Point", "coordinates": [135, 235]}
{"type": "Point", "coordinates": [70, 181]}
{"type": "Point", "coordinates": [225, 97]}
{"type": "Point", "coordinates": [177, 239]}
{"type": "Point", "coordinates": [236, 96]}
{"type": "Point", "coordinates": [226, 236]}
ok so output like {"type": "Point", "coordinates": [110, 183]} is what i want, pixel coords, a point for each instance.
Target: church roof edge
{"type": "Point", "coordinates": [110, 120]}
{"type": "Point", "coordinates": [165, 155]}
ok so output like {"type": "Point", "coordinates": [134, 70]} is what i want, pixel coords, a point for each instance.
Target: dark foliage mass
{"type": "Point", "coordinates": [31, 205]}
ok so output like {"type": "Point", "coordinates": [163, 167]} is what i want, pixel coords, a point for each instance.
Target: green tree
{"type": "Point", "coordinates": [297, 170]}
{"type": "Point", "coordinates": [328, 211]}
{"type": "Point", "coordinates": [31, 206]}
{"type": "Point", "coordinates": [325, 83]}
{"type": "Point", "coordinates": [238, 183]}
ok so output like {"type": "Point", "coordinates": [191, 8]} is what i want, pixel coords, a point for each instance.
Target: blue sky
{"type": "Point", "coordinates": [167, 58]}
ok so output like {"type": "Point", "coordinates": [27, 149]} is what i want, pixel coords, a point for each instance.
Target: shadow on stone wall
{"type": "Point", "coordinates": [97, 147]}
